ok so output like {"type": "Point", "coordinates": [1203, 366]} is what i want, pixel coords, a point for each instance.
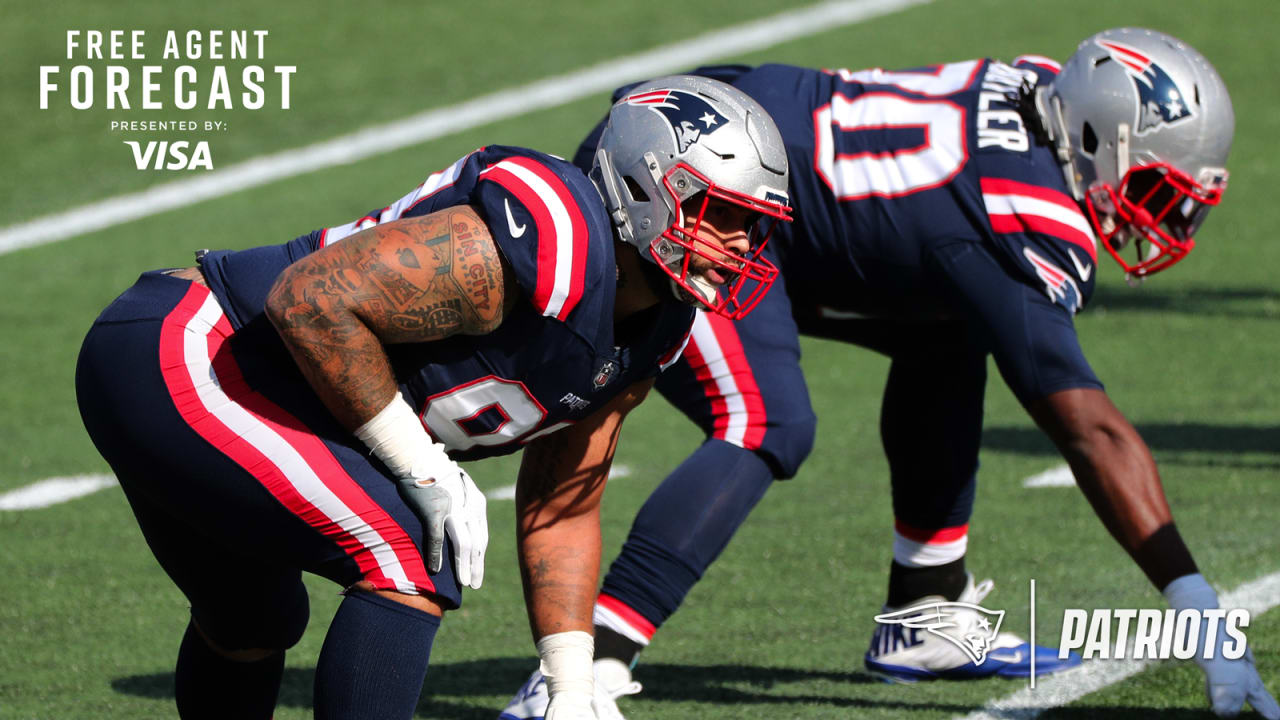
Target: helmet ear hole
{"type": "Point", "coordinates": [1089, 139]}
{"type": "Point", "coordinates": [633, 188]}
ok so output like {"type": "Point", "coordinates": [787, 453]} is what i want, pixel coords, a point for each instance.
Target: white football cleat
{"type": "Point", "coordinates": [933, 638]}
{"type": "Point", "coordinates": [613, 680]}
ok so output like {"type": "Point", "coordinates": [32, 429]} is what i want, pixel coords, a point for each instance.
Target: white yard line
{"type": "Point", "coordinates": [57, 490]}
{"type": "Point", "coordinates": [1059, 476]}
{"type": "Point", "coordinates": [53, 491]}
{"type": "Point", "coordinates": [486, 109]}
{"type": "Point", "coordinates": [1052, 691]}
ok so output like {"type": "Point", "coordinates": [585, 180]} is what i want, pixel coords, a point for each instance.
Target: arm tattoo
{"type": "Point", "coordinates": [413, 280]}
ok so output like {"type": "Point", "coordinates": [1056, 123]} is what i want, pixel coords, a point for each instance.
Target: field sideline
{"type": "Point", "coordinates": [779, 625]}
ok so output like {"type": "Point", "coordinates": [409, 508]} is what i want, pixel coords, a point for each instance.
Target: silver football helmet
{"type": "Point", "coordinates": [672, 148]}
{"type": "Point", "coordinates": [1142, 124]}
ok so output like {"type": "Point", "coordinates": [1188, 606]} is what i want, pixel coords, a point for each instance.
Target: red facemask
{"type": "Point", "coordinates": [747, 276]}
{"type": "Point", "coordinates": [1157, 206]}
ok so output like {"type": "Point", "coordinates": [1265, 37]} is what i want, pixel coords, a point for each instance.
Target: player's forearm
{"type": "Point", "coordinates": [1120, 480]}
{"type": "Point", "coordinates": [560, 566]}
{"type": "Point", "coordinates": [562, 478]}
{"type": "Point", "coordinates": [1115, 470]}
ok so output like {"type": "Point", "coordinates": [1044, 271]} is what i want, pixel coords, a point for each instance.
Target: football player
{"type": "Point", "coordinates": [943, 214]}
{"type": "Point", "coordinates": [303, 407]}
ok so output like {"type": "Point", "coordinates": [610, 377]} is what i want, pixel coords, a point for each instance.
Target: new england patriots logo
{"type": "Point", "coordinates": [1160, 101]}
{"type": "Point", "coordinates": [973, 635]}
{"type": "Point", "coordinates": [690, 116]}
{"type": "Point", "coordinates": [1058, 284]}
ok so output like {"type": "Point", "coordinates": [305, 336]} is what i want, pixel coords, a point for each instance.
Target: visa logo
{"type": "Point", "coordinates": [170, 156]}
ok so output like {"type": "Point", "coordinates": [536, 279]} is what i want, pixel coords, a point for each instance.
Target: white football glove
{"type": "Point", "coordinates": [1228, 683]}
{"type": "Point", "coordinates": [444, 497]}
{"type": "Point", "coordinates": [439, 492]}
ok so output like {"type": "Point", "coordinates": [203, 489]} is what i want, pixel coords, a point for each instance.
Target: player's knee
{"type": "Point", "coordinates": [429, 603]}
{"type": "Point", "coordinates": [256, 630]}
{"type": "Point", "coordinates": [788, 444]}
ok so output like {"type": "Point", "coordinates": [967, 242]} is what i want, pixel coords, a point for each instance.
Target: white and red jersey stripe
{"type": "Point", "coordinates": [560, 228]}
{"type": "Point", "coordinates": [1040, 61]}
{"type": "Point", "coordinates": [432, 185]}
{"type": "Point", "coordinates": [716, 357]}
{"type": "Point", "coordinates": [1015, 207]}
{"type": "Point", "coordinates": [676, 352]}
{"type": "Point", "coordinates": [295, 466]}
{"type": "Point", "coordinates": [919, 547]}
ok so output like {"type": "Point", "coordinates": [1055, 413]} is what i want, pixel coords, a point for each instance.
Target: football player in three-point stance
{"type": "Point", "coordinates": [943, 214]}
{"type": "Point", "coordinates": [302, 407]}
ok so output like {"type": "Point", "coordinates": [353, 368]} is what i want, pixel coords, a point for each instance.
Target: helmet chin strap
{"type": "Point", "coordinates": [1122, 169]}
{"type": "Point", "coordinates": [1050, 110]}
{"type": "Point", "coordinates": [701, 285]}
{"type": "Point", "coordinates": [1122, 152]}
{"type": "Point", "coordinates": [612, 195]}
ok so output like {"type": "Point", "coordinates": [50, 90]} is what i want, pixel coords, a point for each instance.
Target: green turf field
{"type": "Point", "coordinates": [89, 625]}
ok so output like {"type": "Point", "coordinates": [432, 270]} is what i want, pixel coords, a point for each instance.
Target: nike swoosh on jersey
{"type": "Point", "coordinates": [516, 230]}
{"type": "Point", "coordinates": [1081, 268]}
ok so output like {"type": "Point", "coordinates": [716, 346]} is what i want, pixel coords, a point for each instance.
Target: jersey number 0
{"type": "Point", "coordinates": [890, 171]}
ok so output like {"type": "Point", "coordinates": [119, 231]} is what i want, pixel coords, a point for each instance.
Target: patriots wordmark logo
{"type": "Point", "coordinates": [1160, 101]}
{"type": "Point", "coordinates": [689, 115]}
{"type": "Point", "coordinates": [947, 620]}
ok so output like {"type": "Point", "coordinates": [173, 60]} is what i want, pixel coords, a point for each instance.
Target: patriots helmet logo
{"type": "Point", "coordinates": [1160, 100]}
{"type": "Point", "coordinates": [689, 115]}
{"type": "Point", "coordinates": [970, 627]}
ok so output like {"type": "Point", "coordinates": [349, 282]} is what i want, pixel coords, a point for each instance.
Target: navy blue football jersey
{"type": "Point", "coordinates": [552, 361]}
{"type": "Point", "coordinates": [888, 166]}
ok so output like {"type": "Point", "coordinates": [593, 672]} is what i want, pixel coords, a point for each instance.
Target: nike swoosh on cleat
{"type": "Point", "coordinates": [518, 230]}
{"type": "Point", "coordinates": [1084, 272]}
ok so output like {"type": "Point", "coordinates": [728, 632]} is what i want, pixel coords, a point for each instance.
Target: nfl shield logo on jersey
{"type": "Point", "coordinates": [690, 116]}
{"type": "Point", "coordinates": [1160, 102]}
{"type": "Point", "coordinates": [604, 374]}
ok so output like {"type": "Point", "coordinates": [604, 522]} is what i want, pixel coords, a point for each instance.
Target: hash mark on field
{"type": "Point", "coordinates": [415, 129]}
{"type": "Point", "coordinates": [54, 490]}
{"type": "Point", "coordinates": [1059, 476]}
{"type": "Point", "coordinates": [508, 492]}
{"type": "Point", "coordinates": [1257, 596]}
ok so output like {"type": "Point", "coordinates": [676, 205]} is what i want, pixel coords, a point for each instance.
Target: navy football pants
{"type": "Point", "coordinates": [238, 488]}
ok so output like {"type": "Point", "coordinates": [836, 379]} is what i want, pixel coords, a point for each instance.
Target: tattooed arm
{"type": "Point", "coordinates": [411, 280]}
{"type": "Point", "coordinates": [562, 478]}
